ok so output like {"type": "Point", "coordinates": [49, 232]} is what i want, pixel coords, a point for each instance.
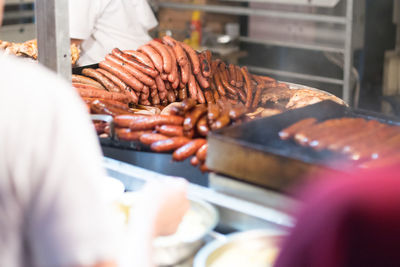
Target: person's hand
{"type": "Point", "coordinates": [166, 203]}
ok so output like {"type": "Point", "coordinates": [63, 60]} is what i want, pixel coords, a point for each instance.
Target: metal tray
{"type": "Point", "coordinates": [257, 155]}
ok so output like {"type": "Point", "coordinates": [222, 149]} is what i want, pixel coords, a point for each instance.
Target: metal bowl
{"type": "Point", "coordinates": [261, 245]}
{"type": "Point", "coordinates": [170, 251]}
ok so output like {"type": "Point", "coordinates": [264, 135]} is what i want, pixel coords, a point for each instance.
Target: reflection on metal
{"type": "Point", "coordinates": [235, 213]}
{"type": "Point", "coordinates": [301, 76]}
{"type": "Point", "coordinates": [52, 29]}
{"type": "Point", "coordinates": [256, 12]}
{"type": "Point", "coordinates": [348, 53]}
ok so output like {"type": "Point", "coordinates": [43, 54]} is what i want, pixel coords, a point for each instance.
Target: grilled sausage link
{"type": "Point", "coordinates": [143, 78]}
{"type": "Point", "coordinates": [127, 135]}
{"type": "Point", "coordinates": [132, 61]}
{"type": "Point", "coordinates": [202, 152]}
{"type": "Point", "coordinates": [170, 130]}
{"type": "Point", "coordinates": [248, 86]}
{"type": "Point", "coordinates": [107, 83]}
{"type": "Point", "coordinates": [202, 126]}
{"type": "Point", "coordinates": [122, 74]}
{"type": "Point", "coordinates": [86, 90]}
{"type": "Point", "coordinates": [153, 55]}
{"type": "Point", "coordinates": [188, 149]}
{"type": "Point", "coordinates": [191, 119]}
{"type": "Point", "coordinates": [165, 55]}
{"type": "Point", "coordinates": [169, 144]}
{"type": "Point", "coordinates": [194, 58]}
{"type": "Point", "coordinates": [150, 138]}
{"type": "Point", "coordinates": [141, 57]}
{"type": "Point", "coordinates": [86, 80]}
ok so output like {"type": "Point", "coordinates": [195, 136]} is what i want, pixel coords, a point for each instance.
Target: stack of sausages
{"type": "Point", "coordinates": [161, 73]}
{"type": "Point", "coordinates": [368, 143]}
{"type": "Point", "coordinates": [183, 130]}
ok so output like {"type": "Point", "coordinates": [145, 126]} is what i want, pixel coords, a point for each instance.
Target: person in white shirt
{"type": "Point", "coordinates": [98, 26]}
{"type": "Point", "coordinates": [52, 210]}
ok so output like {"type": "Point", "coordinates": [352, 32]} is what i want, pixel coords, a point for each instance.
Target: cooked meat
{"type": "Point", "coordinates": [276, 94]}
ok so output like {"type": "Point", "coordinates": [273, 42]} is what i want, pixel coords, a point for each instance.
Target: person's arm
{"type": "Point", "coordinates": [158, 212]}
{"type": "Point", "coordinates": [56, 166]}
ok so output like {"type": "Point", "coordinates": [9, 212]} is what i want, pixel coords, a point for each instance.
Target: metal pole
{"type": "Point", "coordinates": [348, 52]}
{"type": "Point", "coordinates": [52, 31]}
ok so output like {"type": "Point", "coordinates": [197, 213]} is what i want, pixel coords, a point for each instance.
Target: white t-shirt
{"type": "Point", "coordinates": [51, 209]}
{"type": "Point", "coordinates": [107, 24]}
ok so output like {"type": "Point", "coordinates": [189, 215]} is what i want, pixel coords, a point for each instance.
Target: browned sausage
{"type": "Point", "coordinates": [188, 149]}
{"type": "Point", "coordinates": [174, 75]}
{"type": "Point", "coordinates": [229, 88]}
{"type": "Point", "coordinates": [202, 126]}
{"type": "Point", "coordinates": [143, 78]}
{"type": "Point", "coordinates": [122, 74]}
{"type": "Point", "coordinates": [163, 96]}
{"type": "Point", "coordinates": [128, 135]}
{"type": "Point", "coordinates": [187, 105]}
{"type": "Point", "coordinates": [193, 116]}
{"type": "Point", "coordinates": [150, 138]}
{"type": "Point", "coordinates": [160, 84]}
{"type": "Point", "coordinates": [242, 95]}
{"type": "Point", "coordinates": [209, 96]}
{"type": "Point", "coordinates": [257, 95]}
{"type": "Point", "coordinates": [171, 96]}
{"type": "Point", "coordinates": [178, 50]}
{"type": "Point", "coordinates": [86, 80]}
{"type": "Point", "coordinates": [200, 95]}
{"type": "Point", "coordinates": [170, 130]}
{"type": "Point", "coordinates": [145, 102]}
{"type": "Point", "coordinates": [237, 111]}
{"type": "Point", "coordinates": [153, 55]}
{"type": "Point", "coordinates": [185, 73]}
{"type": "Point", "coordinates": [114, 103]}
{"type": "Point", "coordinates": [166, 57]}
{"type": "Point", "coordinates": [232, 74]}
{"type": "Point", "coordinates": [141, 57]}
{"type": "Point", "coordinates": [202, 81]}
{"type": "Point", "coordinates": [205, 64]}
{"type": "Point", "coordinates": [182, 93]}
{"type": "Point", "coordinates": [204, 168]}
{"type": "Point", "coordinates": [248, 86]}
{"type": "Point", "coordinates": [213, 112]}
{"type": "Point", "coordinates": [218, 83]}
{"type": "Point", "coordinates": [125, 121]}
{"type": "Point", "coordinates": [194, 161]}
{"type": "Point", "coordinates": [192, 87]}
{"type": "Point", "coordinates": [290, 131]}
{"type": "Point", "coordinates": [202, 152]}
{"type": "Point", "coordinates": [103, 107]}
{"type": "Point", "coordinates": [239, 77]}
{"type": "Point", "coordinates": [121, 85]}
{"type": "Point", "coordinates": [130, 60]}
{"type": "Point", "coordinates": [169, 144]}
{"type": "Point", "coordinates": [107, 83]}
{"type": "Point", "coordinates": [221, 122]}
{"type": "Point", "coordinates": [86, 90]}
{"type": "Point", "coordinates": [149, 122]}
{"type": "Point", "coordinates": [189, 134]}
{"type": "Point", "coordinates": [194, 58]}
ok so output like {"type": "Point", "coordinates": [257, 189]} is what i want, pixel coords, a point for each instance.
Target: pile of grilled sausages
{"type": "Point", "coordinates": [183, 130]}
{"type": "Point", "coordinates": [161, 73]}
{"type": "Point", "coordinates": [366, 143]}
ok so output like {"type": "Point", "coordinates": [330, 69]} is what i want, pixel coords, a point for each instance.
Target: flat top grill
{"type": "Point", "coordinates": [257, 154]}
